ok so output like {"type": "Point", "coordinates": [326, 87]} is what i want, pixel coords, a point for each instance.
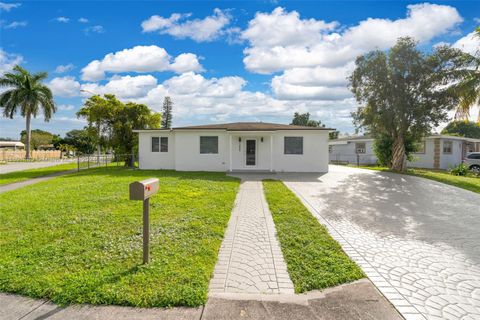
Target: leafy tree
{"type": "Point", "coordinates": [468, 88]}
{"type": "Point", "coordinates": [80, 140]}
{"type": "Point", "coordinates": [28, 95]}
{"type": "Point", "coordinates": [167, 113]}
{"type": "Point", "coordinates": [37, 138]}
{"type": "Point", "coordinates": [126, 118]}
{"type": "Point", "coordinates": [402, 94]}
{"type": "Point", "coordinates": [303, 119]}
{"type": "Point", "coordinates": [383, 149]}
{"type": "Point", "coordinates": [468, 129]}
{"type": "Point", "coordinates": [98, 111]}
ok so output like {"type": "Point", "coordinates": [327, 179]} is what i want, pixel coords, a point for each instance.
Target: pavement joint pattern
{"type": "Point", "coordinates": [425, 275]}
{"type": "Point", "coordinates": [250, 259]}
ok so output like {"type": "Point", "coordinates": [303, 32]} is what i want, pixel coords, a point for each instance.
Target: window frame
{"type": "Point", "coordinates": [285, 138]}
{"type": "Point", "coordinates": [200, 144]}
{"type": "Point", "coordinates": [451, 146]}
{"type": "Point", "coordinates": [152, 144]}
{"type": "Point", "coordinates": [162, 145]}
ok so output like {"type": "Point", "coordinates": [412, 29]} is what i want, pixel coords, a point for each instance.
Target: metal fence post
{"type": "Point", "coordinates": [88, 162]}
{"type": "Point", "coordinates": [78, 163]}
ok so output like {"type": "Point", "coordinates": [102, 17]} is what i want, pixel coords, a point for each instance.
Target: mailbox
{"type": "Point", "coordinates": [142, 190]}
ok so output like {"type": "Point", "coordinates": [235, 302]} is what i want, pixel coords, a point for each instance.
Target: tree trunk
{"type": "Point", "coordinates": [27, 144]}
{"type": "Point", "coordinates": [99, 148]}
{"type": "Point", "coordinates": [398, 154]}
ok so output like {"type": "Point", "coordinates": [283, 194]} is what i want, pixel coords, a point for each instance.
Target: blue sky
{"type": "Point", "coordinates": [219, 61]}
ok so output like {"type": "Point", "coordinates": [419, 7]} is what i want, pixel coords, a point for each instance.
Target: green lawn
{"type": "Point", "coordinates": [78, 239]}
{"type": "Point", "coordinates": [470, 183]}
{"type": "Point", "coordinates": [314, 259]}
{"type": "Point", "coordinates": [17, 176]}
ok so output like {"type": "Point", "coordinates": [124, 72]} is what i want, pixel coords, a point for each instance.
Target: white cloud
{"type": "Point", "coordinates": [8, 6]}
{"type": "Point", "coordinates": [469, 43]}
{"type": "Point", "coordinates": [65, 86]}
{"type": "Point", "coordinates": [324, 46]}
{"type": "Point", "coordinates": [64, 68]}
{"type": "Point", "coordinates": [123, 87]}
{"type": "Point", "coordinates": [94, 29]}
{"type": "Point", "coordinates": [16, 24]}
{"type": "Point", "coordinates": [62, 19]}
{"type": "Point", "coordinates": [8, 61]}
{"type": "Point", "coordinates": [177, 25]}
{"type": "Point", "coordinates": [65, 107]}
{"type": "Point", "coordinates": [83, 20]}
{"type": "Point", "coordinates": [139, 59]}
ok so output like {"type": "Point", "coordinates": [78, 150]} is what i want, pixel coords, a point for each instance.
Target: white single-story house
{"type": "Point", "coordinates": [435, 151]}
{"type": "Point", "coordinates": [239, 146]}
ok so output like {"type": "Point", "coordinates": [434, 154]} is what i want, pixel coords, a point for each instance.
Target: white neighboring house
{"type": "Point", "coordinates": [435, 152]}
{"type": "Point", "coordinates": [239, 146]}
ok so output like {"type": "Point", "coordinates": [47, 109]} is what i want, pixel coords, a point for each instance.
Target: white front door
{"type": "Point", "coordinates": [250, 152]}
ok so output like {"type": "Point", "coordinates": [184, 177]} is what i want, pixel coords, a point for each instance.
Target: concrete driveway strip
{"type": "Point", "coordinates": [418, 240]}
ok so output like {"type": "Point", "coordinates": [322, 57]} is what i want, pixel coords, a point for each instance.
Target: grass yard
{"type": "Point", "coordinates": [469, 183]}
{"type": "Point", "coordinates": [17, 176]}
{"type": "Point", "coordinates": [314, 259]}
{"type": "Point", "coordinates": [78, 239]}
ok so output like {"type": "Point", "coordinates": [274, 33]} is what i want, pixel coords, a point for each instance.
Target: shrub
{"type": "Point", "coordinates": [460, 170]}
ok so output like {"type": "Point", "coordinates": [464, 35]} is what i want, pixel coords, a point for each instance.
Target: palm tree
{"type": "Point", "coordinates": [26, 93]}
{"type": "Point", "coordinates": [469, 87]}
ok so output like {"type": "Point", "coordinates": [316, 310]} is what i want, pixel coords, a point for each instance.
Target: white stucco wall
{"type": "Point", "coordinates": [424, 160]}
{"type": "Point", "coordinates": [189, 158]}
{"type": "Point", "coordinates": [314, 157]}
{"type": "Point", "coordinates": [156, 160]}
{"type": "Point", "coordinates": [347, 152]}
{"type": "Point", "coordinates": [450, 160]}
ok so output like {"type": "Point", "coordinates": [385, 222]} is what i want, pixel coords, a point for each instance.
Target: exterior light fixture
{"type": "Point", "coordinates": [261, 139]}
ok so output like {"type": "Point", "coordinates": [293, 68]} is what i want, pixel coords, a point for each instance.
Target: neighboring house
{"type": "Point", "coordinates": [435, 152]}
{"type": "Point", "coordinates": [11, 145]}
{"type": "Point", "coordinates": [240, 146]}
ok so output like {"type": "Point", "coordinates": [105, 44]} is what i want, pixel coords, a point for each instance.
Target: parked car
{"type": "Point", "coordinates": [472, 161]}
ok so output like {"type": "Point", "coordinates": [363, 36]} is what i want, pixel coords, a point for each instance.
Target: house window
{"type": "Point", "coordinates": [164, 144]}
{"type": "Point", "coordinates": [155, 144]}
{"type": "Point", "coordinates": [360, 147]}
{"type": "Point", "coordinates": [293, 145]}
{"type": "Point", "coordinates": [420, 147]}
{"type": "Point", "coordinates": [209, 145]}
{"type": "Point", "coordinates": [447, 147]}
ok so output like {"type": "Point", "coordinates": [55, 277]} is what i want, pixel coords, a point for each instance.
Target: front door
{"type": "Point", "coordinates": [251, 152]}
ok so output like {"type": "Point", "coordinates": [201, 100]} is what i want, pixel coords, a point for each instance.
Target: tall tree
{"type": "Point", "coordinates": [303, 119]}
{"type": "Point", "coordinates": [167, 113]}
{"type": "Point", "coordinates": [126, 118]}
{"type": "Point", "coordinates": [27, 94]}
{"type": "Point", "coordinates": [98, 112]}
{"type": "Point", "coordinates": [468, 88]}
{"type": "Point", "coordinates": [402, 94]}
{"type": "Point", "coordinates": [37, 138]}
{"type": "Point", "coordinates": [81, 140]}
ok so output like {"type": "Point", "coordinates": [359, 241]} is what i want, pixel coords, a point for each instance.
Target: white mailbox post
{"type": "Point", "coordinates": [143, 190]}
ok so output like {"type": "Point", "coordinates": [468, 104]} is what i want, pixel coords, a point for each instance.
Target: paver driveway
{"type": "Point", "coordinates": [418, 240]}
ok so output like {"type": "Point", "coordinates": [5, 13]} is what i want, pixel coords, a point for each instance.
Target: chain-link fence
{"type": "Point", "coordinates": [106, 160]}
{"type": "Point", "coordinates": [359, 159]}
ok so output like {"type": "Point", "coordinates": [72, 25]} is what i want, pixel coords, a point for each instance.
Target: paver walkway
{"type": "Point", "coordinates": [250, 258]}
{"type": "Point", "coordinates": [418, 240]}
